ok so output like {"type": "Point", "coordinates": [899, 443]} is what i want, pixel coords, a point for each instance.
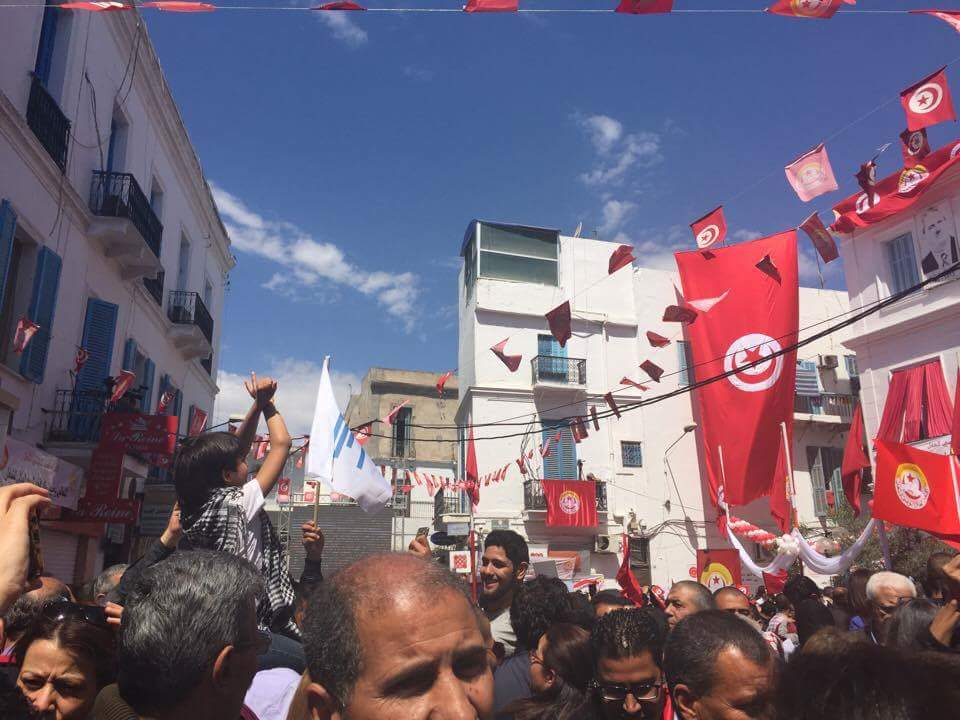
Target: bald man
{"type": "Point", "coordinates": [395, 636]}
{"type": "Point", "coordinates": [731, 600]}
{"type": "Point", "coordinates": [687, 598]}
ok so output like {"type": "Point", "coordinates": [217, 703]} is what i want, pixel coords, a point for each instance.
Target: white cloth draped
{"type": "Point", "coordinates": [833, 565]}
{"type": "Point", "coordinates": [780, 562]}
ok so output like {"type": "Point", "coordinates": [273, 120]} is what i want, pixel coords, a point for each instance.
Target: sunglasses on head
{"type": "Point", "coordinates": [642, 692]}
{"type": "Point", "coordinates": [60, 610]}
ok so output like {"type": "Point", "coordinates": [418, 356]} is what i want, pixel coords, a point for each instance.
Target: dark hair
{"type": "Point", "coordinates": [200, 464]}
{"type": "Point", "coordinates": [513, 544]}
{"type": "Point", "coordinates": [910, 623]}
{"type": "Point", "coordinates": [702, 597]}
{"type": "Point", "coordinates": [800, 588]}
{"type": "Point", "coordinates": [934, 582]}
{"type": "Point", "coordinates": [692, 648]}
{"type": "Point", "coordinates": [628, 633]}
{"type": "Point", "coordinates": [25, 609]}
{"type": "Point", "coordinates": [568, 654]}
{"type": "Point", "coordinates": [13, 705]}
{"type": "Point", "coordinates": [537, 605]}
{"type": "Point", "coordinates": [812, 615]}
{"type": "Point", "coordinates": [86, 640]}
{"type": "Point", "coordinates": [864, 681]}
{"type": "Point", "coordinates": [780, 602]}
{"type": "Point", "coordinates": [179, 615]}
{"type": "Point", "coordinates": [857, 592]}
{"type": "Point", "coordinates": [581, 611]}
{"type": "Point", "coordinates": [611, 597]}
{"type": "Point", "coordinates": [331, 634]}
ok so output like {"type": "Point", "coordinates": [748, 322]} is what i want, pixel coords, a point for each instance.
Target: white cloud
{"type": "Point", "coordinates": [615, 212]}
{"type": "Point", "coordinates": [618, 151]}
{"type": "Point", "coordinates": [604, 131]}
{"type": "Point", "coordinates": [343, 28]}
{"type": "Point", "coordinates": [418, 73]}
{"type": "Point", "coordinates": [296, 393]}
{"type": "Point", "coordinates": [309, 261]}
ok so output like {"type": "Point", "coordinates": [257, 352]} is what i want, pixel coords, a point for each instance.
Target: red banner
{"type": "Point", "coordinates": [741, 413]}
{"type": "Point", "coordinates": [135, 433]}
{"type": "Point", "coordinates": [896, 192]}
{"type": "Point", "coordinates": [197, 422]}
{"type": "Point", "coordinates": [718, 568]}
{"type": "Point", "coordinates": [571, 503]}
{"type": "Point", "coordinates": [103, 477]}
{"type": "Point", "coordinates": [124, 512]}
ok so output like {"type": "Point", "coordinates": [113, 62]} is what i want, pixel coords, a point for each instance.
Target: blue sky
{"type": "Point", "coordinates": [349, 152]}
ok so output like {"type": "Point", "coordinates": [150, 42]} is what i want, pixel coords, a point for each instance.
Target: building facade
{"type": "Point", "coordinates": [109, 241]}
{"type": "Point", "coordinates": [646, 464]}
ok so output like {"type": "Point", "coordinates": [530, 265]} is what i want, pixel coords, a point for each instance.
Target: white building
{"type": "Point", "coordinates": [109, 240]}
{"type": "Point", "coordinates": [648, 467]}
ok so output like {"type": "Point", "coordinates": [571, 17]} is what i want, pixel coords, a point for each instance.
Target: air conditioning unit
{"type": "Point", "coordinates": [601, 543]}
{"type": "Point", "coordinates": [829, 361]}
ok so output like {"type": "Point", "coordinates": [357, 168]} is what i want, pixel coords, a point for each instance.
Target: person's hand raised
{"type": "Point", "coordinates": [420, 547]}
{"type": "Point", "coordinates": [945, 622]}
{"type": "Point", "coordinates": [262, 391]}
{"type": "Point", "coordinates": [16, 503]}
{"type": "Point", "coordinates": [313, 541]}
{"type": "Point", "coordinates": [951, 573]}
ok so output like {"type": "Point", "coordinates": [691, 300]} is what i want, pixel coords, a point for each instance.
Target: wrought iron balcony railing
{"type": "Point", "coordinates": [450, 502]}
{"type": "Point", "coordinates": [187, 308]}
{"type": "Point", "coordinates": [48, 123]}
{"type": "Point", "coordinates": [534, 498]}
{"type": "Point", "coordinates": [154, 286]}
{"type": "Point", "coordinates": [77, 414]}
{"type": "Point", "coordinates": [555, 369]}
{"type": "Point", "coordinates": [119, 195]}
{"type": "Point", "coordinates": [825, 404]}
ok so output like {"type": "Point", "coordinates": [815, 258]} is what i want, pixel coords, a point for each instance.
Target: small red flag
{"type": "Point", "coordinates": [165, 400]}
{"type": "Point", "coordinates": [180, 6]}
{"type": "Point", "coordinates": [821, 238]}
{"type": "Point", "coordinates": [676, 313]}
{"type": "Point", "coordinates": [511, 361]}
{"type": "Point", "coordinates": [559, 320]}
{"type": "Point", "coordinates": [621, 257]}
{"type": "Point", "coordinates": [593, 416]}
{"type": "Point", "coordinates": [812, 9]}
{"type": "Point", "coordinates": [612, 403]}
{"type": "Point", "coordinates": [473, 475]}
{"type": "Point", "coordinates": [867, 179]}
{"type": "Point", "coordinates": [928, 102]}
{"type": "Point", "coordinates": [392, 415]}
{"type": "Point", "coordinates": [626, 580]}
{"type": "Point", "coordinates": [443, 381]}
{"type": "Point", "coordinates": [810, 175]}
{"type": "Point", "coordinates": [710, 229]}
{"type": "Point", "coordinates": [767, 267]}
{"type": "Point", "coordinates": [914, 145]}
{"type": "Point", "coordinates": [652, 369]}
{"type": "Point", "coordinates": [80, 359]}
{"type": "Point", "coordinates": [579, 429]}
{"type": "Point", "coordinates": [854, 462]}
{"type": "Point", "coordinates": [95, 6]}
{"type": "Point", "coordinates": [955, 437]}
{"type": "Point", "coordinates": [570, 503]}
{"type": "Point", "coordinates": [545, 448]}
{"type": "Point", "coordinates": [638, 386]}
{"type": "Point", "coordinates": [780, 507]}
{"type": "Point", "coordinates": [121, 384]}
{"type": "Point", "coordinates": [363, 433]}
{"type": "Point", "coordinates": [952, 18]}
{"type": "Point", "coordinates": [656, 340]}
{"type": "Point", "coordinates": [775, 582]}
{"type": "Point", "coordinates": [473, 6]}
{"type": "Point", "coordinates": [339, 6]}
{"type": "Point", "coordinates": [26, 329]}
{"type": "Point", "coordinates": [197, 422]}
{"type": "Point", "coordinates": [644, 7]}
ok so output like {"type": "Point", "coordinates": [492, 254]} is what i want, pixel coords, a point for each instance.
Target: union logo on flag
{"type": "Point", "coordinates": [569, 502]}
{"type": "Point", "coordinates": [912, 486]}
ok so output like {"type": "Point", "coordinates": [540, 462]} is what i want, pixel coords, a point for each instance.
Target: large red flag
{"type": "Point", "coordinates": [955, 430]}
{"type": "Point", "coordinates": [928, 102]}
{"type": "Point", "coordinates": [811, 175]}
{"type": "Point", "coordinates": [918, 489]}
{"type": "Point", "coordinates": [625, 578]}
{"type": "Point", "coordinates": [813, 9]}
{"type": "Point", "coordinates": [742, 412]}
{"type": "Point", "coordinates": [854, 461]}
{"type": "Point", "coordinates": [780, 506]}
{"type": "Point", "coordinates": [571, 503]}
{"type": "Point", "coordinates": [473, 474]}
{"type": "Point", "coordinates": [644, 7]}
{"type": "Point", "coordinates": [710, 229]}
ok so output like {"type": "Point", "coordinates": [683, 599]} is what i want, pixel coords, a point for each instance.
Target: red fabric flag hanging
{"type": "Point", "coordinates": [652, 369]}
{"type": "Point", "coordinates": [955, 429]}
{"type": "Point", "coordinates": [26, 329]}
{"type": "Point", "coordinates": [810, 175]}
{"type": "Point", "coordinates": [261, 448]}
{"type": "Point", "coordinates": [545, 448]}
{"type": "Point", "coordinates": [570, 503]}
{"type": "Point", "coordinates": [559, 320]}
{"type": "Point", "coordinates": [95, 6]}
{"type": "Point", "coordinates": [511, 361]}
{"type": "Point", "coordinates": [339, 6]}
{"type": "Point", "coordinates": [742, 413]}
{"type": "Point", "coordinates": [916, 489]}
{"type": "Point", "coordinates": [180, 6]}
{"type": "Point", "coordinates": [121, 384]}
{"type": "Point", "coordinates": [855, 461]}
{"type": "Point", "coordinates": [612, 403]}
{"type": "Point", "coordinates": [780, 507]}
{"type": "Point", "coordinates": [676, 313]}
{"type": "Point", "coordinates": [952, 18]}
{"type": "Point", "coordinates": [363, 433]}
{"type": "Point", "coordinates": [620, 258]}
{"type": "Point", "coordinates": [775, 582]}
{"type": "Point", "coordinates": [718, 568]}
{"type": "Point", "coordinates": [711, 229]}
{"type": "Point", "coordinates": [812, 9]}
{"type": "Point", "coordinates": [821, 238]}
{"type": "Point", "coordinates": [593, 416]}
{"type": "Point", "coordinates": [165, 400]}
{"type": "Point", "coordinates": [443, 381]}
{"type": "Point", "coordinates": [644, 7]}
{"type": "Point", "coordinates": [392, 415]}
{"type": "Point", "coordinates": [625, 578]}
{"type": "Point", "coordinates": [473, 6]}
{"type": "Point", "coordinates": [300, 460]}
{"type": "Point", "coordinates": [628, 381]}
{"type": "Point", "coordinates": [928, 102]}
{"type": "Point", "coordinates": [767, 267]}
{"type": "Point", "coordinates": [657, 340]}
{"type": "Point", "coordinates": [867, 179]}
{"type": "Point", "coordinates": [473, 475]}
{"type": "Point", "coordinates": [431, 488]}
{"type": "Point", "coordinates": [198, 421]}
{"type": "Point", "coordinates": [80, 359]}
{"type": "Point", "coordinates": [522, 465]}
{"type": "Point", "coordinates": [914, 146]}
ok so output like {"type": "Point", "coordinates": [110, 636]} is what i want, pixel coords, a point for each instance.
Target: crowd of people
{"type": "Point", "coordinates": [209, 625]}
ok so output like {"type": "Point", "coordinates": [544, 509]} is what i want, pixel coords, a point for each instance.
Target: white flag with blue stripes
{"type": "Point", "coordinates": [335, 456]}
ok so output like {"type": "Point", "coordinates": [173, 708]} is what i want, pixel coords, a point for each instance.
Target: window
{"type": "Point", "coordinates": [685, 362]}
{"type": "Point", "coordinates": [808, 378]}
{"type": "Point", "coordinates": [43, 305]}
{"type": "Point", "coordinates": [510, 252]}
{"type": "Point", "coordinates": [52, 48]}
{"type": "Point", "coordinates": [824, 464]}
{"type": "Point", "coordinates": [156, 199]}
{"type": "Point", "coordinates": [143, 367]}
{"type": "Point", "coordinates": [561, 462]}
{"type": "Point", "coordinates": [903, 263]}
{"type": "Point", "coordinates": [183, 263]}
{"type": "Point", "coordinates": [117, 149]}
{"type": "Point", "coordinates": [631, 454]}
{"type": "Point", "coordinates": [208, 294]}
{"type": "Point", "coordinates": [552, 360]}
{"type": "Point", "coordinates": [851, 363]}
{"type": "Point", "coordinates": [402, 435]}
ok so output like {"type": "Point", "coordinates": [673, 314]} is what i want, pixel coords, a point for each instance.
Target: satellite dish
{"type": "Point", "coordinates": [576, 233]}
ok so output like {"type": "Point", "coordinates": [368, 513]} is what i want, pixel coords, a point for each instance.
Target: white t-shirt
{"type": "Point", "coordinates": [252, 501]}
{"type": "Point", "coordinates": [502, 631]}
{"type": "Point", "coordinates": [271, 693]}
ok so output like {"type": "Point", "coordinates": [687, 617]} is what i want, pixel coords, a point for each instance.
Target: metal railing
{"type": "Point", "coordinates": [555, 369]}
{"type": "Point", "coordinates": [402, 447]}
{"type": "Point", "coordinates": [825, 404]}
{"type": "Point", "coordinates": [76, 415]}
{"type": "Point", "coordinates": [154, 286]}
{"type": "Point", "coordinates": [450, 502]}
{"type": "Point", "coordinates": [48, 123]}
{"type": "Point", "coordinates": [535, 499]}
{"type": "Point", "coordinates": [187, 308]}
{"type": "Point", "coordinates": [119, 195]}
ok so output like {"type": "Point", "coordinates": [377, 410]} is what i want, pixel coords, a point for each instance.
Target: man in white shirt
{"type": "Point", "coordinates": [503, 567]}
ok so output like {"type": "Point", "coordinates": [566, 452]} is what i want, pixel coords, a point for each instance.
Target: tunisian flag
{"type": "Point", "coordinates": [854, 461]}
{"type": "Point", "coordinates": [740, 338]}
{"type": "Point", "coordinates": [710, 229]}
{"type": "Point", "coordinates": [813, 9]}
{"type": "Point", "coordinates": [928, 102]}
{"type": "Point", "coordinates": [571, 503]}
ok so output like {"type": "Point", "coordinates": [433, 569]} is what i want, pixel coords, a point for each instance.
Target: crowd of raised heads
{"type": "Point", "coordinates": [209, 625]}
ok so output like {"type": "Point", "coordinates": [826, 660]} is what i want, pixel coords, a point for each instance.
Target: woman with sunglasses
{"type": "Point", "coordinates": [560, 670]}
{"type": "Point", "coordinates": [66, 656]}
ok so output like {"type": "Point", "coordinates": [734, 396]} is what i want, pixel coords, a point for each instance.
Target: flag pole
{"type": "Point", "coordinates": [316, 502]}
{"type": "Point", "coordinates": [794, 515]}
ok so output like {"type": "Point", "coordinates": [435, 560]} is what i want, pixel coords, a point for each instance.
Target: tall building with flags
{"type": "Point", "coordinates": [575, 491]}
{"type": "Point", "coordinates": [113, 264]}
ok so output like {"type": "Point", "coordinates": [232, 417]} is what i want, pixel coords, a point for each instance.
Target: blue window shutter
{"type": "Point", "coordinates": [48, 38]}
{"type": "Point", "coordinates": [684, 378]}
{"type": "Point", "coordinates": [178, 407]}
{"type": "Point", "coordinates": [99, 329]}
{"type": "Point", "coordinates": [149, 369]}
{"type": "Point", "coordinates": [808, 379]}
{"type": "Point", "coordinates": [8, 227]}
{"type": "Point", "coordinates": [561, 463]}
{"type": "Point", "coordinates": [130, 355]}
{"type": "Point", "coordinates": [190, 412]}
{"type": "Point", "coordinates": [43, 303]}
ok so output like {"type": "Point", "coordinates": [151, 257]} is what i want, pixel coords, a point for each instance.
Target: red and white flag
{"type": "Point", "coordinates": [443, 381]}
{"type": "Point", "coordinates": [180, 6]}
{"type": "Point", "coordinates": [545, 448]}
{"type": "Point", "coordinates": [363, 433]}
{"type": "Point", "coordinates": [812, 9]}
{"type": "Point", "coordinates": [26, 329]}
{"type": "Point", "coordinates": [80, 359]}
{"type": "Point", "coordinates": [867, 180]}
{"type": "Point", "coordinates": [780, 506]}
{"type": "Point", "coordinates": [283, 491]}
{"type": "Point", "coordinates": [952, 18]}
{"type": "Point", "coordinates": [339, 5]}
{"type": "Point", "coordinates": [914, 145]}
{"type": "Point", "coordinates": [810, 175]}
{"type": "Point", "coordinates": [473, 475]}
{"type": "Point", "coordinates": [391, 416]}
{"type": "Point", "coordinates": [678, 313]}
{"type": "Point", "coordinates": [570, 503]}
{"type": "Point", "coordinates": [197, 422]}
{"type": "Point", "coordinates": [121, 384]}
{"type": "Point", "coordinates": [473, 6]}
{"type": "Point", "coordinates": [511, 361]}
{"type": "Point", "coordinates": [821, 238]}
{"type": "Point", "coordinates": [644, 7]}
{"type": "Point", "coordinates": [711, 229]}
{"type": "Point", "coordinates": [855, 461]}
{"type": "Point", "coordinates": [262, 447]}
{"type": "Point", "coordinates": [166, 400]}
{"type": "Point", "coordinates": [743, 338]}
{"type": "Point", "coordinates": [928, 102]}
{"type": "Point", "coordinates": [96, 6]}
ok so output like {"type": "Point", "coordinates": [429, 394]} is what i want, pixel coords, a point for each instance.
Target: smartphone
{"type": "Point", "coordinates": [35, 568]}
{"type": "Point", "coordinates": [423, 531]}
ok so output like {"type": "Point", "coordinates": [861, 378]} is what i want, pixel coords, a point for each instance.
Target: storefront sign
{"type": "Point", "coordinates": [103, 477]}
{"type": "Point", "coordinates": [23, 462]}
{"type": "Point", "coordinates": [153, 435]}
{"type": "Point", "coordinates": [114, 511]}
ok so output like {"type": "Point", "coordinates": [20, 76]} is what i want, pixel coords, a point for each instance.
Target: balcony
{"type": "Point", "coordinates": [125, 224]}
{"type": "Point", "coordinates": [402, 447]}
{"type": "Point", "coordinates": [826, 407]}
{"type": "Point", "coordinates": [534, 499]}
{"type": "Point", "coordinates": [76, 414]}
{"type": "Point", "coordinates": [154, 286]}
{"type": "Point", "coordinates": [192, 332]}
{"type": "Point", "coordinates": [48, 123]}
{"type": "Point", "coordinates": [450, 502]}
{"type": "Point", "coordinates": [559, 373]}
